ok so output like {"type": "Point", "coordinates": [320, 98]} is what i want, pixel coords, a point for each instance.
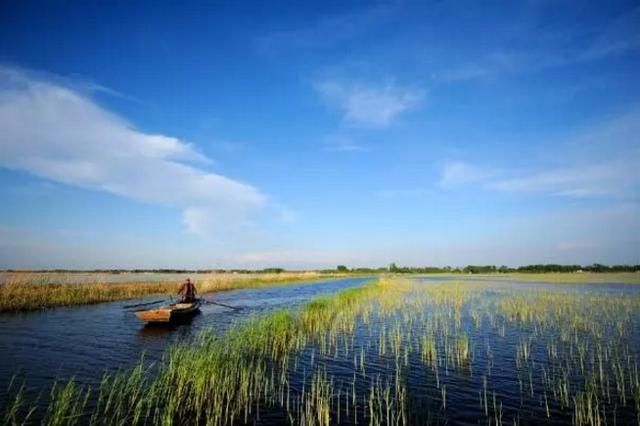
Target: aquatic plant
{"type": "Point", "coordinates": [27, 291]}
{"type": "Point", "coordinates": [390, 352]}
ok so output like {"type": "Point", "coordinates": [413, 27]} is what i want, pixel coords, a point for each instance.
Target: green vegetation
{"type": "Point", "coordinates": [531, 269]}
{"type": "Point", "coordinates": [493, 269]}
{"type": "Point", "coordinates": [569, 355]}
{"type": "Point", "coordinates": [33, 291]}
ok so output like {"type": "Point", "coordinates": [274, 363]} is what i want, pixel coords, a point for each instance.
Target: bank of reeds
{"type": "Point", "coordinates": [27, 292]}
{"type": "Point", "coordinates": [548, 277]}
{"type": "Point", "coordinates": [576, 277]}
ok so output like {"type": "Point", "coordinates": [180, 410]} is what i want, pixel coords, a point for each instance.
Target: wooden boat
{"type": "Point", "coordinates": [172, 312]}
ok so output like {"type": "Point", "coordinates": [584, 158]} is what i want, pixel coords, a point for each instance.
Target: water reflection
{"type": "Point", "coordinates": [85, 341]}
{"type": "Point", "coordinates": [160, 331]}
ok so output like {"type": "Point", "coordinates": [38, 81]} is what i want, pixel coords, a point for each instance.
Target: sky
{"type": "Point", "coordinates": [311, 134]}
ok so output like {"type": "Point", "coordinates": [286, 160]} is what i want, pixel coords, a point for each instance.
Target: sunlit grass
{"type": "Point", "coordinates": [551, 277]}
{"type": "Point", "coordinates": [573, 357]}
{"type": "Point", "coordinates": [578, 277]}
{"type": "Point", "coordinates": [22, 292]}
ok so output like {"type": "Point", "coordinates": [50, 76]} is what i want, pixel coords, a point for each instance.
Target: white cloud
{"type": "Point", "coordinates": [457, 173]}
{"type": "Point", "coordinates": [402, 193]}
{"type": "Point", "coordinates": [342, 143]}
{"type": "Point", "coordinates": [298, 258]}
{"type": "Point", "coordinates": [58, 133]}
{"type": "Point", "coordinates": [601, 160]}
{"type": "Point", "coordinates": [368, 105]}
{"type": "Point", "coordinates": [611, 178]}
{"type": "Point", "coordinates": [550, 49]}
{"type": "Point", "coordinates": [583, 181]}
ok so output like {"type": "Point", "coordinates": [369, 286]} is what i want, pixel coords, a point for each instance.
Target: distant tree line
{"type": "Point", "coordinates": [154, 271]}
{"type": "Point", "coordinates": [596, 267]}
{"type": "Point", "coordinates": [469, 269]}
{"type": "Point", "coordinates": [492, 269]}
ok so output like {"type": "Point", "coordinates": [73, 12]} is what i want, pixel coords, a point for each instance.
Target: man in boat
{"type": "Point", "coordinates": [188, 291]}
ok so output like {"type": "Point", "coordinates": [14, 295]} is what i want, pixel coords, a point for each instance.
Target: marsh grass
{"type": "Point", "coordinates": [548, 277]}
{"type": "Point", "coordinates": [25, 292]}
{"type": "Point", "coordinates": [572, 357]}
{"type": "Point", "coordinates": [576, 277]}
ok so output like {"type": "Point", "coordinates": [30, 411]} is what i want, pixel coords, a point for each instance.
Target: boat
{"type": "Point", "coordinates": [170, 313]}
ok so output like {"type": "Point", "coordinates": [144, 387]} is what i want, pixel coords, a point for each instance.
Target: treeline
{"type": "Point", "coordinates": [469, 269]}
{"type": "Point", "coordinates": [596, 267]}
{"type": "Point", "coordinates": [152, 271]}
{"type": "Point", "coordinates": [493, 269]}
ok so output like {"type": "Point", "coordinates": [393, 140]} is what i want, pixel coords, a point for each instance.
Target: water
{"type": "Point", "coordinates": [603, 288]}
{"type": "Point", "coordinates": [520, 387]}
{"type": "Point", "coordinates": [85, 341]}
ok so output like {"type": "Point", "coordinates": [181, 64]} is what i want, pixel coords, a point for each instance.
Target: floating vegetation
{"type": "Point", "coordinates": [391, 352]}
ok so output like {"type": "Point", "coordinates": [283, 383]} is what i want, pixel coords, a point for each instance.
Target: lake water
{"type": "Point", "coordinates": [571, 328]}
{"type": "Point", "coordinates": [84, 342]}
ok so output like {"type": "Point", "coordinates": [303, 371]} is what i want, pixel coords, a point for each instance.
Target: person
{"type": "Point", "coordinates": [188, 291]}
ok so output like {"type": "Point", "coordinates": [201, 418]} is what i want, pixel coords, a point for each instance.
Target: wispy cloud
{"type": "Point", "coordinates": [551, 49]}
{"type": "Point", "coordinates": [611, 178]}
{"type": "Point", "coordinates": [326, 32]}
{"type": "Point", "coordinates": [369, 105]}
{"type": "Point", "coordinates": [618, 38]}
{"type": "Point", "coordinates": [457, 173]}
{"type": "Point", "coordinates": [341, 143]}
{"type": "Point", "coordinates": [601, 160]}
{"type": "Point", "coordinates": [58, 133]}
{"type": "Point", "coordinates": [406, 193]}
{"type": "Point", "coordinates": [583, 181]}
{"type": "Point", "coordinates": [297, 258]}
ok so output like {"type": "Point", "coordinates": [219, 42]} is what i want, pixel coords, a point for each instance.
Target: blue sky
{"type": "Point", "coordinates": [306, 135]}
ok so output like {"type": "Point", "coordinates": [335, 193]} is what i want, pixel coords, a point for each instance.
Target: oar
{"type": "Point", "coordinates": [221, 304]}
{"type": "Point", "coordinates": [143, 304]}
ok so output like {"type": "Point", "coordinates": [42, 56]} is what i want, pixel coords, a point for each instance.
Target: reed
{"type": "Point", "coordinates": [576, 277]}
{"type": "Point", "coordinates": [27, 292]}
{"type": "Point", "coordinates": [574, 356]}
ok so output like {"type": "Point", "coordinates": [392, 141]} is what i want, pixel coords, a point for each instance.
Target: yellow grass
{"type": "Point", "coordinates": [554, 277]}
{"type": "Point", "coordinates": [579, 277]}
{"type": "Point", "coordinates": [25, 292]}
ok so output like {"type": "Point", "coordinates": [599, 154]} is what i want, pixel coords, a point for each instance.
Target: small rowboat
{"type": "Point", "coordinates": [169, 313]}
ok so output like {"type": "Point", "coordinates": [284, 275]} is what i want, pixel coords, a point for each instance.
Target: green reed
{"type": "Point", "coordinates": [572, 357]}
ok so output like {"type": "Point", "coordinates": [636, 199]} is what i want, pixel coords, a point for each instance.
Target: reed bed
{"type": "Point", "coordinates": [577, 277]}
{"type": "Point", "coordinates": [391, 352]}
{"type": "Point", "coordinates": [26, 292]}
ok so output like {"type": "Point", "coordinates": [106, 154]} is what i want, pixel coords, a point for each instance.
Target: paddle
{"type": "Point", "coordinates": [221, 304]}
{"type": "Point", "coordinates": [143, 304]}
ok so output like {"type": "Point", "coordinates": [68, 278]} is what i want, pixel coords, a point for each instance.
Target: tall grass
{"type": "Point", "coordinates": [24, 292]}
{"type": "Point", "coordinates": [577, 277]}
{"type": "Point", "coordinates": [573, 357]}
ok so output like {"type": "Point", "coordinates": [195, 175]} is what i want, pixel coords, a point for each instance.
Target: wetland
{"type": "Point", "coordinates": [380, 350]}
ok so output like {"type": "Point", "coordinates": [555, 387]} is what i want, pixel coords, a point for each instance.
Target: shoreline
{"type": "Point", "coordinates": [23, 296]}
